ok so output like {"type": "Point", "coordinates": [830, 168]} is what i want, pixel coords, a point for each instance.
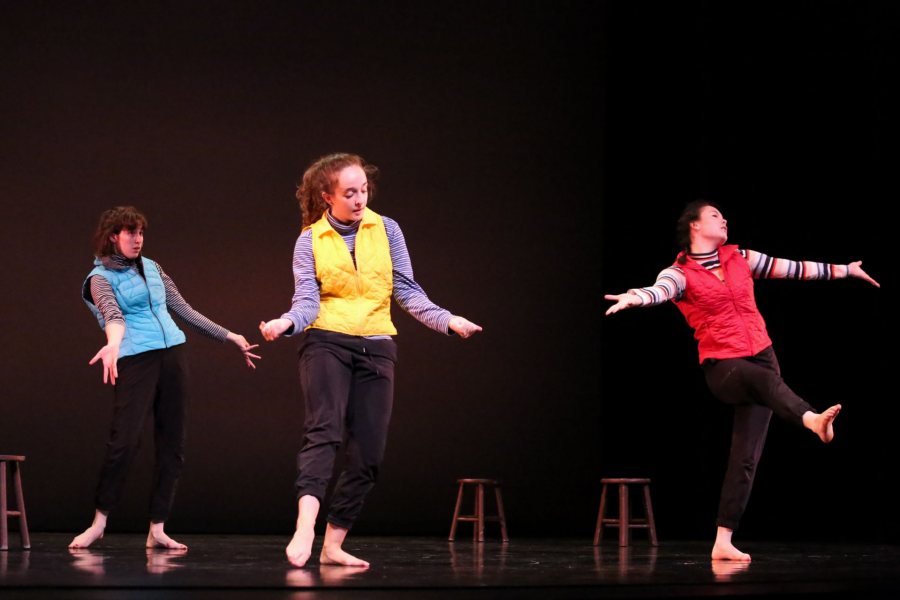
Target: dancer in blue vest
{"type": "Point", "coordinates": [132, 297]}
{"type": "Point", "coordinates": [712, 284]}
{"type": "Point", "coordinates": [348, 264]}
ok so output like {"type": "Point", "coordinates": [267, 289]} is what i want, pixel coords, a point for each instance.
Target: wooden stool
{"type": "Point", "coordinates": [5, 513]}
{"type": "Point", "coordinates": [479, 517]}
{"type": "Point", "coordinates": [624, 522]}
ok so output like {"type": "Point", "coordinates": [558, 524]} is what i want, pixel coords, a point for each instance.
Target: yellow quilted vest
{"type": "Point", "coordinates": [355, 300]}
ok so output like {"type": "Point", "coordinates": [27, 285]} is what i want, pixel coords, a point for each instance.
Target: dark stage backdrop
{"type": "Point", "coordinates": [536, 155]}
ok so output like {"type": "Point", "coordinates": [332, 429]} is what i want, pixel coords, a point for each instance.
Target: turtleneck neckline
{"type": "Point", "coordinates": [118, 262]}
{"type": "Point", "coordinates": [700, 255]}
{"type": "Point", "coordinates": [341, 227]}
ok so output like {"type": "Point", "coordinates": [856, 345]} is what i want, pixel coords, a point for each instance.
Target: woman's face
{"type": "Point", "coordinates": [350, 195]}
{"type": "Point", "coordinates": [710, 227]}
{"type": "Point", "coordinates": [129, 242]}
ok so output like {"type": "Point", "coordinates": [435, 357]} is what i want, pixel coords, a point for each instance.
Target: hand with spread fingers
{"type": "Point", "coordinates": [246, 347]}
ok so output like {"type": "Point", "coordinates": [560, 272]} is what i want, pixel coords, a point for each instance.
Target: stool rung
{"type": "Point", "coordinates": [13, 513]}
{"type": "Point", "coordinates": [612, 520]}
{"type": "Point", "coordinates": [473, 519]}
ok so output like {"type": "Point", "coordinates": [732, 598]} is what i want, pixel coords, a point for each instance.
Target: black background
{"type": "Point", "coordinates": [536, 155]}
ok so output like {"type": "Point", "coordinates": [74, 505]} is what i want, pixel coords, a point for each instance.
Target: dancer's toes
{"type": "Point", "coordinates": [825, 423]}
{"type": "Point", "coordinates": [161, 540]}
{"type": "Point", "coordinates": [84, 540]}
{"type": "Point", "coordinates": [299, 549]}
{"type": "Point", "coordinates": [336, 556]}
{"type": "Point", "coordinates": [729, 552]}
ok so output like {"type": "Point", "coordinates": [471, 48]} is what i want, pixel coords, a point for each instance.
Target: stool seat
{"type": "Point", "coordinates": [14, 461]}
{"type": "Point", "coordinates": [625, 522]}
{"type": "Point", "coordinates": [479, 517]}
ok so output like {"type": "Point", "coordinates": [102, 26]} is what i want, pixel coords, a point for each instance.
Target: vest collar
{"type": "Point", "coordinates": [323, 226]}
{"type": "Point", "coordinates": [117, 262]}
{"type": "Point", "coordinates": [725, 253]}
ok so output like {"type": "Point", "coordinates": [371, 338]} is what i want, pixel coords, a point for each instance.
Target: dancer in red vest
{"type": "Point", "coordinates": [712, 284]}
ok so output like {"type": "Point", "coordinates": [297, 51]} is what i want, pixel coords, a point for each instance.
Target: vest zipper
{"type": "Point", "coordinates": [359, 290]}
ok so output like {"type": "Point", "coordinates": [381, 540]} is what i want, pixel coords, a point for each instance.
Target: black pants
{"type": "Point", "coordinates": [348, 387]}
{"type": "Point", "coordinates": [154, 381]}
{"type": "Point", "coordinates": [755, 387]}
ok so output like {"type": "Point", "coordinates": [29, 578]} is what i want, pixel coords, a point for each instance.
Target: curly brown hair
{"type": "Point", "coordinates": [321, 176]}
{"type": "Point", "coordinates": [113, 221]}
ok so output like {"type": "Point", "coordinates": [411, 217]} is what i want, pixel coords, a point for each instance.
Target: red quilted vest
{"type": "Point", "coordinates": [723, 314]}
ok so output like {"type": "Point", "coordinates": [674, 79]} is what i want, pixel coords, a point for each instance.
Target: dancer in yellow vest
{"type": "Point", "coordinates": [348, 263]}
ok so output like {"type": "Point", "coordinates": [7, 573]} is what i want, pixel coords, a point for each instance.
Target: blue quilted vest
{"type": "Point", "coordinates": [148, 324]}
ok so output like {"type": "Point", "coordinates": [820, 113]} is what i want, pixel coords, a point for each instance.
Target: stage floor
{"type": "Point", "coordinates": [234, 566]}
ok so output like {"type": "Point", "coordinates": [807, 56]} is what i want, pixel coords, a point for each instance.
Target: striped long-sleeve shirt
{"type": "Point", "coordinates": [671, 282]}
{"type": "Point", "coordinates": [408, 294]}
{"type": "Point", "coordinates": [104, 299]}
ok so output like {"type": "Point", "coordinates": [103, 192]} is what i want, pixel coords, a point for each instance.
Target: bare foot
{"type": "Point", "coordinates": [300, 548]}
{"type": "Point", "coordinates": [727, 551]}
{"type": "Point", "coordinates": [336, 556]}
{"type": "Point", "coordinates": [90, 535]}
{"type": "Point", "coordinates": [823, 424]}
{"type": "Point", "coordinates": [161, 540]}
{"type": "Point", "coordinates": [337, 573]}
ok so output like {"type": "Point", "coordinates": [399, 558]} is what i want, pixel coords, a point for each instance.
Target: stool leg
{"type": "Point", "coordinates": [459, 498]}
{"type": "Point", "coordinates": [4, 531]}
{"type": "Point", "coordinates": [501, 514]}
{"type": "Point", "coordinates": [648, 507]}
{"type": "Point", "coordinates": [479, 510]}
{"type": "Point", "coordinates": [598, 531]}
{"type": "Point", "coordinates": [623, 515]}
{"type": "Point", "coordinates": [20, 504]}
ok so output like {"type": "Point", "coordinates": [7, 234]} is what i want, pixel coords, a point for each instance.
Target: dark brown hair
{"type": "Point", "coordinates": [690, 214]}
{"type": "Point", "coordinates": [113, 221]}
{"type": "Point", "coordinates": [321, 176]}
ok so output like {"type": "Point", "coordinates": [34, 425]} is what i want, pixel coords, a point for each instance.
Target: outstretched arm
{"type": "Point", "coordinates": [764, 266]}
{"type": "Point", "coordinates": [670, 284]}
{"type": "Point", "coordinates": [622, 301]}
